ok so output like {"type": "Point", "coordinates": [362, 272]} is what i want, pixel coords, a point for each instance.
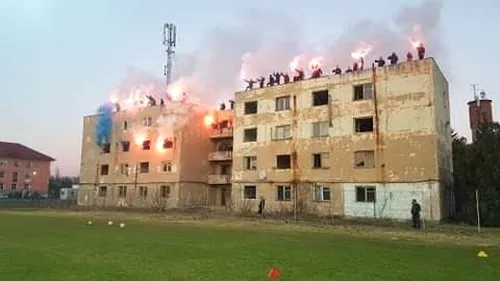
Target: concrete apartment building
{"type": "Point", "coordinates": [360, 144]}
{"type": "Point", "coordinates": [23, 169]}
{"type": "Point", "coordinates": [138, 169]}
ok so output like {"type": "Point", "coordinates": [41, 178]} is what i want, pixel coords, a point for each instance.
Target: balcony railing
{"type": "Point", "coordinates": [222, 133]}
{"type": "Point", "coordinates": [220, 156]}
{"type": "Point", "coordinates": [219, 179]}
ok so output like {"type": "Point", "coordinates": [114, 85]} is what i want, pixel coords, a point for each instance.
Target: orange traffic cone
{"type": "Point", "coordinates": [274, 273]}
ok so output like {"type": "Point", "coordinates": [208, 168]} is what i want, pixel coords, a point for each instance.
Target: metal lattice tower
{"type": "Point", "coordinates": [169, 41]}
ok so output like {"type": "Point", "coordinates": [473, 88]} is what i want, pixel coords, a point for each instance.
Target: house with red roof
{"type": "Point", "coordinates": [23, 169]}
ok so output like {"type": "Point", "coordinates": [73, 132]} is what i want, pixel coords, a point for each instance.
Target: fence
{"type": "Point", "coordinates": [38, 203]}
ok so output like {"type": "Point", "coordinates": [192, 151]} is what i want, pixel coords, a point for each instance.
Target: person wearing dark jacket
{"type": "Point", "coordinates": [415, 214]}
{"type": "Point", "coordinates": [262, 206]}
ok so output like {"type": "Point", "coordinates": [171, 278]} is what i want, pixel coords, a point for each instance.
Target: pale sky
{"type": "Point", "coordinates": [60, 59]}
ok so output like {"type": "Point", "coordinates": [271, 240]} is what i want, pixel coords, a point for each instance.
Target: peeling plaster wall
{"type": "Point", "coordinates": [407, 147]}
{"type": "Point", "coordinates": [393, 200]}
{"type": "Point", "coordinates": [191, 147]}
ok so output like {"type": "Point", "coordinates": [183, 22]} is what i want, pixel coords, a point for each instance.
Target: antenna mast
{"type": "Point", "coordinates": [474, 91]}
{"type": "Point", "coordinates": [170, 42]}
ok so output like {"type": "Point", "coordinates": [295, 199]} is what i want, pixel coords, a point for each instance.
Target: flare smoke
{"type": "Point", "coordinates": [269, 42]}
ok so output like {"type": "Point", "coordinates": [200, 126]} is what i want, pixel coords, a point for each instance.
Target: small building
{"type": "Point", "coordinates": [23, 169]}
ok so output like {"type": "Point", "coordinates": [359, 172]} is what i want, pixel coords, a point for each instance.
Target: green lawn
{"type": "Point", "coordinates": [34, 247]}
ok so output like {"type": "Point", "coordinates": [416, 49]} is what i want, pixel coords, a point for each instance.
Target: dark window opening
{"type": "Point", "coordinates": [164, 191]}
{"type": "Point", "coordinates": [106, 148]}
{"type": "Point", "coordinates": [363, 92]}
{"type": "Point", "coordinates": [168, 143]}
{"type": "Point", "coordinates": [317, 160]}
{"type": "Point", "coordinates": [144, 167]}
{"type": "Point", "coordinates": [104, 170]}
{"type": "Point", "coordinates": [250, 192]}
{"type": "Point", "coordinates": [125, 125]}
{"type": "Point", "coordinates": [283, 161]}
{"type": "Point", "coordinates": [363, 124]}
{"type": "Point", "coordinates": [250, 107]}
{"type": "Point", "coordinates": [125, 146]}
{"type": "Point", "coordinates": [103, 190]}
{"type": "Point", "coordinates": [365, 194]}
{"type": "Point", "coordinates": [146, 145]}
{"type": "Point", "coordinates": [122, 191]}
{"type": "Point", "coordinates": [320, 97]}
{"type": "Point", "coordinates": [250, 162]}
{"type": "Point", "coordinates": [250, 135]}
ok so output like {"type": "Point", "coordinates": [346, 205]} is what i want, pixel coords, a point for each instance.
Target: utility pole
{"type": "Point", "coordinates": [170, 42]}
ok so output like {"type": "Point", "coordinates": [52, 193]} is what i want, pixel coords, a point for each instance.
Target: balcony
{"type": "Point", "coordinates": [222, 133]}
{"type": "Point", "coordinates": [220, 156]}
{"type": "Point", "coordinates": [219, 179]}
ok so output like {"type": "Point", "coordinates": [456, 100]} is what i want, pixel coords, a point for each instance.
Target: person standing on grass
{"type": "Point", "coordinates": [415, 214]}
{"type": "Point", "coordinates": [262, 205]}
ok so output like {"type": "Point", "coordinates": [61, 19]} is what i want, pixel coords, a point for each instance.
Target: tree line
{"type": "Point", "coordinates": [476, 167]}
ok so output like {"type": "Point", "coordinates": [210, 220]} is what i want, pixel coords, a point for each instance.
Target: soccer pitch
{"type": "Point", "coordinates": [50, 247]}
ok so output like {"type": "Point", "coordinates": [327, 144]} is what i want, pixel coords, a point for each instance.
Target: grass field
{"type": "Point", "coordinates": [44, 246]}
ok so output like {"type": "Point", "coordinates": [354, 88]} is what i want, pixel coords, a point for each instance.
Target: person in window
{"type": "Point", "coordinates": [415, 214]}
{"type": "Point", "coordinates": [262, 205]}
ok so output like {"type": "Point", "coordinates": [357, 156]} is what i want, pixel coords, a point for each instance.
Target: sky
{"type": "Point", "coordinates": [59, 60]}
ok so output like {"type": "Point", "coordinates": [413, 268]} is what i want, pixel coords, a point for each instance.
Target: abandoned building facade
{"type": "Point", "coordinates": [140, 167]}
{"type": "Point", "coordinates": [356, 145]}
{"type": "Point", "coordinates": [360, 144]}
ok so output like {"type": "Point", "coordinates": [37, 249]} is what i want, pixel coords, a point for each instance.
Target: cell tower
{"type": "Point", "coordinates": [169, 41]}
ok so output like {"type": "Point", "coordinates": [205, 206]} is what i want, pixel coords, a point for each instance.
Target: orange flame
{"type": "Point", "coordinates": [315, 63]}
{"type": "Point", "coordinates": [362, 50]}
{"type": "Point", "coordinates": [139, 139]}
{"type": "Point", "coordinates": [159, 145]}
{"type": "Point", "coordinates": [208, 120]}
{"type": "Point", "coordinates": [415, 42]}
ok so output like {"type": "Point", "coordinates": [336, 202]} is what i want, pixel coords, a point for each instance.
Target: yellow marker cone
{"type": "Point", "coordinates": [482, 254]}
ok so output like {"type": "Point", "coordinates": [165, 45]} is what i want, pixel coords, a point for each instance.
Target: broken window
{"type": "Point", "coordinates": [319, 160]}
{"type": "Point", "coordinates": [122, 191]}
{"type": "Point", "coordinates": [322, 193]}
{"type": "Point", "coordinates": [146, 145]}
{"type": "Point", "coordinates": [104, 170]}
{"type": "Point", "coordinates": [283, 193]}
{"type": "Point", "coordinates": [250, 107]}
{"type": "Point", "coordinates": [320, 98]}
{"type": "Point", "coordinates": [366, 194]}
{"type": "Point", "coordinates": [165, 191]}
{"type": "Point", "coordinates": [250, 135]}
{"type": "Point", "coordinates": [124, 170]}
{"type": "Point", "coordinates": [125, 146]}
{"type": "Point", "coordinates": [321, 129]}
{"type": "Point", "coordinates": [363, 92]}
{"type": "Point", "coordinates": [250, 192]}
{"type": "Point", "coordinates": [15, 176]}
{"type": "Point", "coordinates": [283, 132]}
{"type": "Point", "coordinates": [168, 143]}
{"type": "Point", "coordinates": [148, 121]}
{"type": "Point", "coordinates": [364, 159]}
{"type": "Point", "coordinates": [283, 103]}
{"type": "Point", "coordinates": [125, 125]}
{"type": "Point", "coordinates": [283, 161]}
{"type": "Point", "coordinates": [363, 125]}
{"type": "Point", "coordinates": [13, 186]}
{"type": "Point", "coordinates": [103, 190]}
{"type": "Point", "coordinates": [250, 162]}
{"type": "Point", "coordinates": [143, 191]}
{"type": "Point", "coordinates": [167, 166]}
{"type": "Point", "coordinates": [144, 167]}
{"type": "Point", "coordinates": [106, 148]}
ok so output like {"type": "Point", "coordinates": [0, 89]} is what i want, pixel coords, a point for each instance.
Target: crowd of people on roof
{"type": "Point", "coordinates": [278, 78]}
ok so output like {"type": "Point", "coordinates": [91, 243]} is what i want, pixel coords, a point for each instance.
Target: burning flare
{"type": "Point", "coordinates": [159, 144]}
{"type": "Point", "coordinates": [139, 139]}
{"type": "Point", "coordinates": [295, 64]}
{"type": "Point", "coordinates": [208, 120]}
{"type": "Point", "coordinates": [362, 50]}
{"type": "Point", "coordinates": [316, 63]}
{"type": "Point", "coordinates": [415, 43]}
